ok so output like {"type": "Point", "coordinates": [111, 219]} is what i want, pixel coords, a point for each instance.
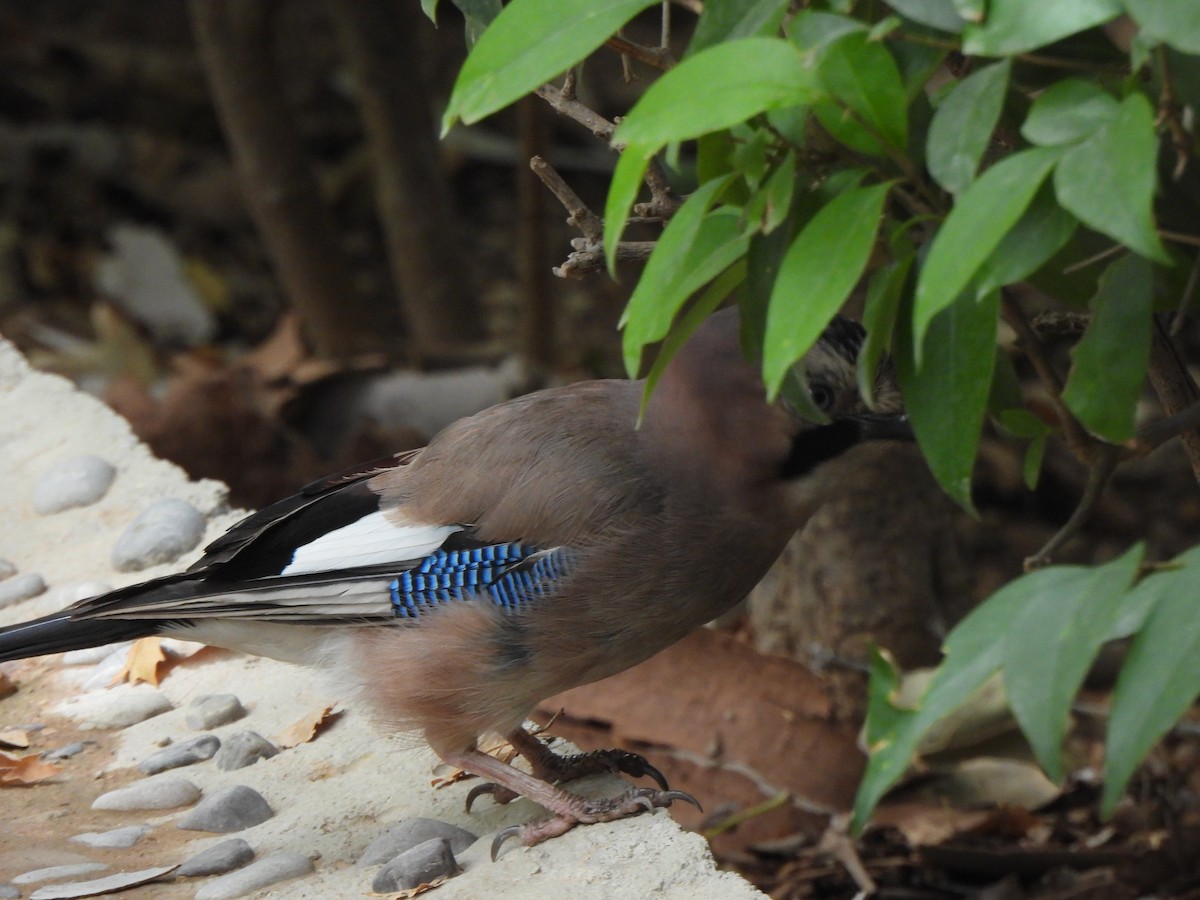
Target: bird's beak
{"type": "Point", "coordinates": [872, 427]}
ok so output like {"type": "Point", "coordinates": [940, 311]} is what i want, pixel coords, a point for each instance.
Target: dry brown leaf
{"type": "Point", "coordinates": [421, 888]}
{"type": "Point", "coordinates": [15, 737]}
{"type": "Point", "coordinates": [7, 686]}
{"type": "Point", "coordinates": [306, 728]}
{"type": "Point", "coordinates": [142, 664]}
{"type": "Point", "coordinates": [18, 770]}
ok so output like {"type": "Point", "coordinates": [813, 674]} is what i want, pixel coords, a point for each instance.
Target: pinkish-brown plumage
{"type": "Point", "coordinates": [620, 541]}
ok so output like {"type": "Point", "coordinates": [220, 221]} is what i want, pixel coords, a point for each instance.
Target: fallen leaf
{"type": "Point", "coordinates": [145, 657]}
{"type": "Point", "coordinates": [305, 729]}
{"type": "Point", "coordinates": [7, 686]}
{"type": "Point", "coordinates": [15, 737]}
{"type": "Point", "coordinates": [106, 885]}
{"type": "Point", "coordinates": [422, 888]}
{"type": "Point", "coordinates": [18, 770]}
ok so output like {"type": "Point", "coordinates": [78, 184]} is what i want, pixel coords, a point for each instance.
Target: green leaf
{"type": "Point", "coordinates": [980, 219]}
{"type": "Point", "coordinates": [1068, 111]}
{"type": "Point", "coordinates": [973, 655]}
{"type": "Point", "coordinates": [732, 19]}
{"type": "Point", "coordinates": [962, 126]}
{"type": "Point", "coordinates": [1031, 465]}
{"type": "Point", "coordinates": [528, 43]}
{"type": "Point", "coordinates": [818, 272]}
{"type": "Point", "coordinates": [1051, 644]}
{"type": "Point", "coordinates": [779, 189]}
{"type": "Point", "coordinates": [1174, 23]}
{"type": "Point", "coordinates": [1043, 230]}
{"type": "Point", "coordinates": [1016, 26]}
{"type": "Point", "coordinates": [939, 14]}
{"type": "Point", "coordinates": [1109, 362]}
{"type": "Point", "coordinates": [695, 247]}
{"type": "Point", "coordinates": [862, 76]}
{"type": "Point", "coordinates": [477, 16]}
{"type": "Point", "coordinates": [1108, 181]}
{"type": "Point", "coordinates": [813, 30]}
{"type": "Point", "coordinates": [884, 295]}
{"type": "Point", "coordinates": [946, 391]}
{"type": "Point", "coordinates": [764, 258]}
{"type": "Point", "coordinates": [717, 88]}
{"type": "Point", "coordinates": [622, 191]}
{"type": "Point", "coordinates": [429, 7]}
{"type": "Point", "coordinates": [1161, 677]}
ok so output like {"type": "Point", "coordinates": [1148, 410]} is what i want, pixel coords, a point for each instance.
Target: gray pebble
{"type": "Point", "coordinates": [218, 859]}
{"type": "Point", "coordinates": [8, 892]}
{"type": "Point", "coordinates": [407, 834]}
{"type": "Point", "coordinates": [267, 871]}
{"type": "Point", "coordinates": [419, 865]}
{"type": "Point", "coordinates": [92, 655]}
{"type": "Point", "coordinates": [243, 749]}
{"type": "Point", "coordinates": [78, 481]}
{"type": "Point", "coordinates": [117, 839]}
{"type": "Point", "coordinates": [55, 873]}
{"type": "Point", "coordinates": [22, 587]}
{"type": "Point", "coordinates": [135, 706]}
{"type": "Point", "coordinates": [229, 809]}
{"type": "Point", "coordinates": [196, 750]}
{"type": "Point", "coordinates": [213, 710]}
{"type": "Point", "coordinates": [163, 532]}
{"type": "Point", "coordinates": [65, 752]}
{"type": "Point", "coordinates": [159, 792]}
{"type": "Point", "coordinates": [7, 569]}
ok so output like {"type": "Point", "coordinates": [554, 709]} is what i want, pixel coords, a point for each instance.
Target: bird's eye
{"type": "Point", "coordinates": [822, 395]}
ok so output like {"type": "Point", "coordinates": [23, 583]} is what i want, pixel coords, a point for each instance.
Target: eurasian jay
{"type": "Point", "coordinates": [541, 544]}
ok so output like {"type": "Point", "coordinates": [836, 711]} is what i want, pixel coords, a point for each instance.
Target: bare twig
{"type": "Point", "coordinates": [590, 258]}
{"type": "Point", "coordinates": [563, 102]}
{"type": "Point", "coordinates": [657, 57]}
{"type": "Point", "coordinates": [1176, 390]}
{"type": "Point", "coordinates": [578, 213]}
{"type": "Point", "coordinates": [1169, 110]}
{"type": "Point", "coordinates": [1191, 240]}
{"type": "Point", "coordinates": [1107, 456]}
{"type": "Point", "coordinates": [1081, 443]}
{"type": "Point", "coordinates": [663, 203]}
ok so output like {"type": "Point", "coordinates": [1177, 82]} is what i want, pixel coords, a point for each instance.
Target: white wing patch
{"type": "Point", "coordinates": [371, 541]}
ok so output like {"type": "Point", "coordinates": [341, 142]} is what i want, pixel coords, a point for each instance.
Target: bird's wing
{"type": "Point", "coordinates": [507, 575]}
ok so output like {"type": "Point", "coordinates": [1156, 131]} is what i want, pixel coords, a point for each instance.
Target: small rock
{"type": "Point", "coordinates": [218, 859]}
{"type": "Point", "coordinates": [108, 671]}
{"type": "Point", "coordinates": [267, 871]}
{"type": "Point", "coordinates": [213, 710]}
{"type": "Point", "coordinates": [78, 481]}
{"type": "Point", "coordinates": [135, 706]}
{"type": "Point", "coordinates": [196, 750]}
{"type": "Point", "coordinates": [117, 839]}
{"type": "Point", "coordinates": [106, 885]}
{"type": "Point", "coordinates": [160, 792]}
{"type": "Point", "coordinates": [56, 873]}
{"type": "Point", "coordinates": [8, 892]}
{"type": "Point", "coordinates": [22, 587]}
{"type": "Point", "coordinates": [407, 834]}
{"type": "Point", "coordinates": [229, 809]}
{"type": "Point", "coordinates": [65, 752]}
{"type": "Point", "coordinates": [91, 655]}
{"type": "Point", "coordinates": [163, 532]}
{"type": "Point", "coordinates": [243, 749]}
{"type": "Point", "coordinates": [418, 865]}
{"type": "Point", "coordinates": [7, 569]}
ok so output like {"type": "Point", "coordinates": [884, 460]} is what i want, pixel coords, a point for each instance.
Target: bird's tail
{"type": "Point", "coordinates": [61, 631]}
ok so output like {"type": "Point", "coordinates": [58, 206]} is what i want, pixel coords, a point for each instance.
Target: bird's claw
{"type": "Point", "coordinates": [636, 766]}
{"type": "Point", "coordinates": [500, 794]}
{"type": "Point", "coordinates": [586, 812]}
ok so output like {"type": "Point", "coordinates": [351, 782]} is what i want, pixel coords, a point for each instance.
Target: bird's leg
{"type": "Point", "coordinates": [567, 809]}
{"type": "Point", "coordinates": [555, 768]}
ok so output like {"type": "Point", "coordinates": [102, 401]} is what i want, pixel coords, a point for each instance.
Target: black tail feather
{"type": "Point", "coordinates": [61, 632]}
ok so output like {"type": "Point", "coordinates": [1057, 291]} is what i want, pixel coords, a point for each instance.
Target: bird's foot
{"type": "Point", "coordinates": [552, 767]}
{"type": "Point", "coordinates": [580, 811]}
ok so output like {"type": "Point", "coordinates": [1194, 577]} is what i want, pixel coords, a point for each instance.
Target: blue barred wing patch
{"type": "Point", "coordinates": [507, 575]}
